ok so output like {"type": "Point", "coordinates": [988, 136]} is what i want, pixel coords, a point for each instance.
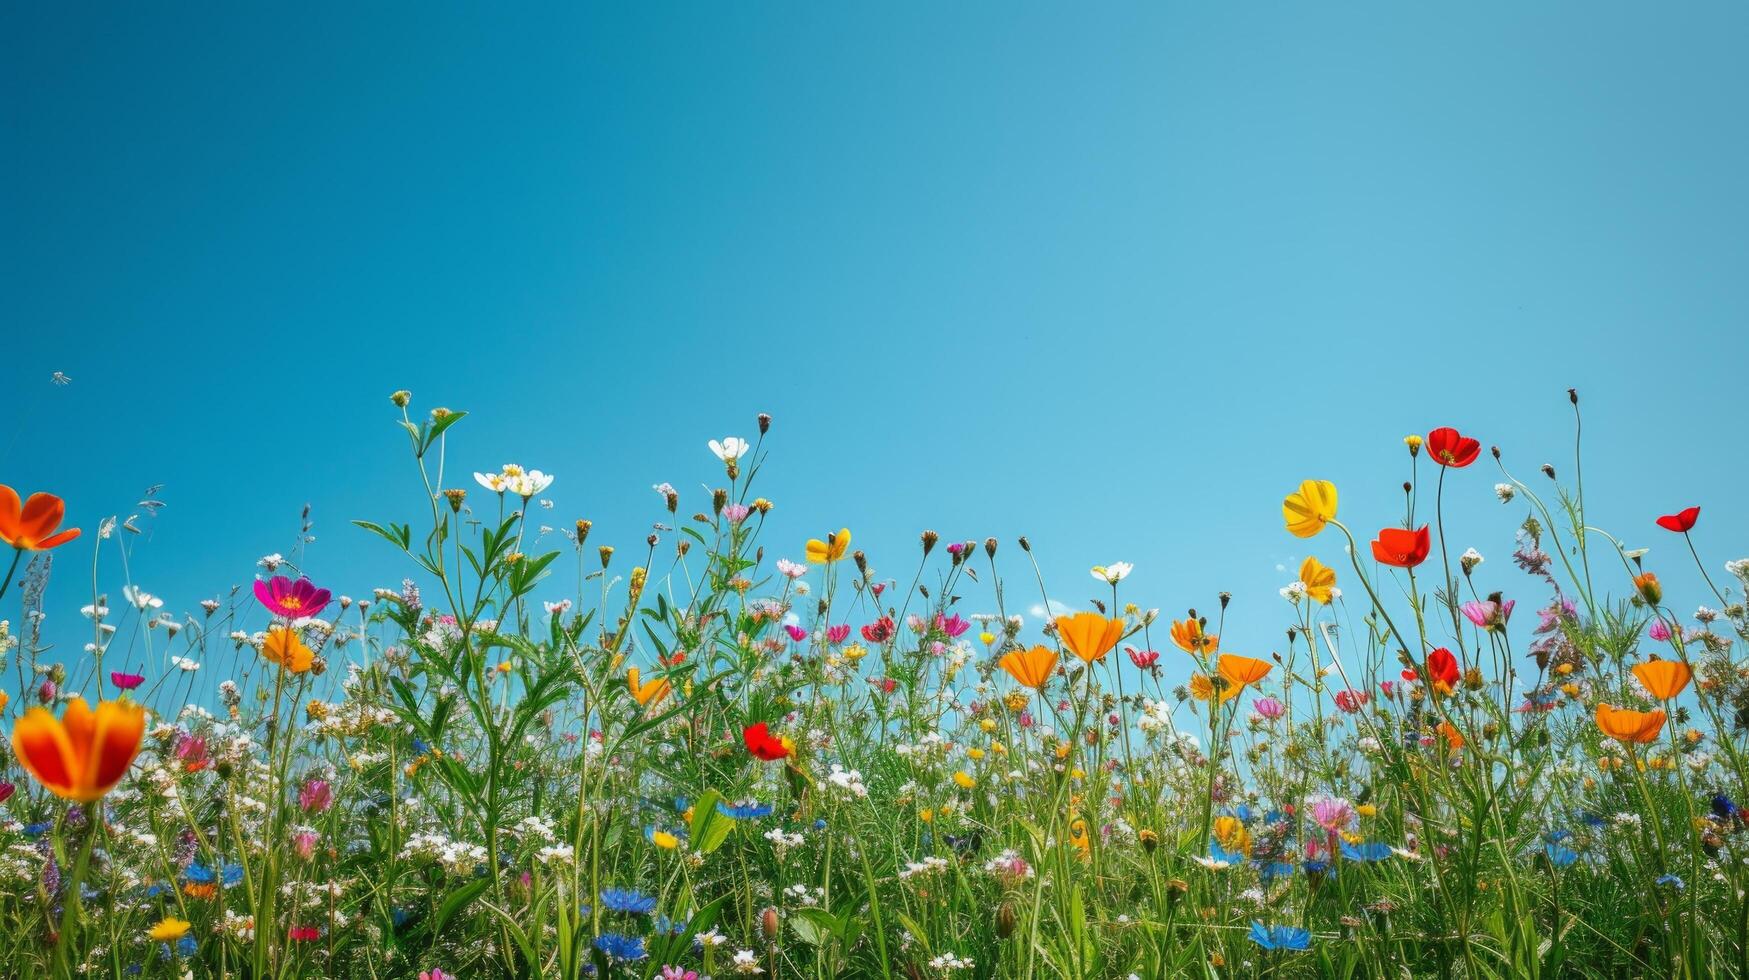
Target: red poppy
{"type": "Point", "coordinates": [1442, 669]}
{"type": "Point", "coordinates": [762, 745]}
{"type": "Point", "coordinates": [880, 631]}
{"type": "Point", "coordinates": [1402, 548]}
{"type": "Point", "coordinates": [1448, 447]}
{"type": "Point", "coordinates": [1681, 522]}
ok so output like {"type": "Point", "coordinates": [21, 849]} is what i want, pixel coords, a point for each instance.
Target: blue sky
{"type": "Point", "coordinates": [1114, 279]}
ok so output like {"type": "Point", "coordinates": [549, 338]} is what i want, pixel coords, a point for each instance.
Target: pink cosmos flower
{"type": "Point", "coordinates": [1658, 631]}
{"type": "Point", "coordinates": [953, 626]}
{"type": "Point", "coordinates": [126, 682]}
{"type": "Point", "coordinates": [796, 633]}
{"type": "Point", "coordinates": [316, 796]}
{"type": "Point", "coordinates": [293, 600]}
{"type": "Point", "coordinates": [1332, 813]}
{"type": "Point", "coordinates": [1143, 658]}
{"type": "Point", "coordinates": [1488, 614]}
{"type": "Point", "coordinates": [1268, 708]}
{"type": "Point", "coordinates": [304, 843]}
{"type": "Point", "coordinates": [839, 633]}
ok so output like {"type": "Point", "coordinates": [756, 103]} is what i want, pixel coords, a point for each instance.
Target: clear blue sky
{"type": "Point", "coordinates": [1116, 279]}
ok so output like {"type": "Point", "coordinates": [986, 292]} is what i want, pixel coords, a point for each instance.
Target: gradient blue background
{"type": "Point", "coordinates": [1114, 277]}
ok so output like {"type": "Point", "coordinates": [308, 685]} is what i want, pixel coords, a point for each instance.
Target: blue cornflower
{"type": "Point", "coordinates": [750, 810]}
{"type": "Point", "coordinates": [1672, 881]}
{"type": "Point", "coordinates": [419, 747]}
{"type": "Point", "coordinates": [187, 946]}
{"type": "Point", "coordinates": [627, 900]}
{"type": "Point", "coordinates": [1559, 855]}
{"type": "Point", "coordinates": [1280, 937]}
{"type": "Point", "coordinates": [1224, 856]}
{"type": "Point", "coordinates": [1370, 851]}
{"type": "Point", "coordinates": [664, 926]}
{"type": "Point", "coordinates": [1274, 869]}
{"type": "Point", "coordinates": [37, 829]}
{"type": "Point", "coordinates": [820, 824]}
{"type": "Point", "coordinates": [618, 947]}
{"type": "Point", "coordinates": [1723, 808]}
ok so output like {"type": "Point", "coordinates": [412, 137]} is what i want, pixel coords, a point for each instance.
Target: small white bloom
{"type": "Point", "coordinates": [1505, 492]}
{"type": "Point", "coordinates": [732, 447]}
{"type": "Point", "coordinates": [1113, 573]}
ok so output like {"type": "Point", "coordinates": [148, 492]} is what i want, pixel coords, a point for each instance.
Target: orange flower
{"type": "Point", "coordinates": [1664, 678]}
{"type": "Point", "coordinates": [1089, 635]}
{"type": "Point", "coordinates": [30, 526]}
{"type": "Point", "coordinates": [1624, 725]}
{"type": "Point", "coordinates": [648, 693]}
{"type": "Point", "coordinates": [1031, 668]}
{"type": "Point", "coordinates": [830, 550]}
{"type": "Point", "coordinates": [1647, 585]}
{"type": "Point", "coordinates": [1319, 580]}
{"type": "Point", "coordinates": [82, 755]}
{"type": "Point", "coordinates": [1240, 671]}
{"type": "Point", "coordinates": [284, 647]}
{"type": "Point", "coordinates": [1189, 636]}
{"type": "Point", "coordinates": [1453, 737]}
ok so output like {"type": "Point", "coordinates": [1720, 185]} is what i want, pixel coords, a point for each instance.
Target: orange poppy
{"type": "Point", "coordinates": [1189, 635]}
{"type": "Point", "coordinates": [1453, 737]}
{"type": "Point", "coordinates": [1624, 725]}
{"type": "Point", "coordinates": [284, 647]}
{"type": "Point", "coordinates": [648, 693]}
{"type": "Point", "coordinates": [1665, 679]}
{"type": "Point", "coordinates": [82, 755]}
{"type": "Point", "coordinates": [1031, 668]}
{"type": "Point", "coordinates": [1089, 635]}
{"type": "Point", "coordinates": [1647, 585]}
{"type": "Point", "coordinates": [1240, 671]}
{"type": "Point", "coordinates": [31, 525]}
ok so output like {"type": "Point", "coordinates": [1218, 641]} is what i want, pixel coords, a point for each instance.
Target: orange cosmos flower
{"type": "Point", "coordinates": [1240, 671]}
{"type": "Point", "coordinates": [284, 647]}
{"type": "Point", "coordinates": [1309, 508]}
{"type": "Point", "coordinates": [31, 525]}
{"type": "Point", "coordinates": [1189, 636]}
{"type": "Point", "coordinates": [1624, 725]}
{"type": "Point", "coordinates": [648, 693]}
{"type": "Point", "coordinates": [1032, 668]}
{"type": "Point", "coordinates": [1319, 580]}
{"type": "Point", "coordinates": [1089, 635]}
{"type": "Point", "coordinates": [830, 550]}
{"type": "Point", "coordinates": [82, 755]}
{"type": "Point", "coordinates": [1665, 679]}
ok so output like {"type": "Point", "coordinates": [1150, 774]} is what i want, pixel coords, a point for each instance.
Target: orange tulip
{"type": "Point", "coordinates": [1240, 671]}
{"type": "Point", "coordinates": [1089, 635]}
{"type": "Point", "coordinates": [82, 755]}
{"type": "Point", "coordinates": [284, 647]}
{"type": "Point", "coordinates": [651, 692]}
{"type": "Point", "coordinates": [31, 525]}
{"type": "Point", "coordinates": [1665, 679]}
{"type": "Point", "coordinates": [1189, 636]}
{"type": "Point", "coordinates": [1031, 668]}
{"type": "Point", "coordinates": [1624, 725]}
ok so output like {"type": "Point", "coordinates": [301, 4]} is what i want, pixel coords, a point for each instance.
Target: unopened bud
{"type": "Point", "coordinates": [929, 539]}
{"type": "Point", "coordinates": [989, 547]}
{"type": "Point", "coordinates": [583, 532]}
{"type": "Point", "coordinates": [768, 923]}
{"type": "Point", "coordinates": [1006, 920]}
{"type": "Point", "coordinates": [606, 554]}
{"type": "Point", "coordinates": [402, 398]}
{"type": "Point", "coordinates": [455, 499]}
{"type": "Point", "coordinates": [764, 423]}
{"type": "Point", "coordinates": [1025, 545]}
{"type": "Point", "coordinates": [719, 497]}
{"type": "Point", "coordinates": [1548, 471]}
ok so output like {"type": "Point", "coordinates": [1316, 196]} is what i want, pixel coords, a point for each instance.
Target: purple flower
{"type": "Point", "coordinates": [293, 600]}
{"type": "Point", "coordinates": [1268, 708]}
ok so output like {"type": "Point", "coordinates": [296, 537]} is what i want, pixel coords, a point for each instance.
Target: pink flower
{"type": "Point", "coordinates": [304, 842]}
{"type": "Point", "coordinates": [6, 791]}
{"type": "Point", "coordinates": [293, 600]}
{"type": "Point", "coordinates": [676, 973]}
{"type": "Point", "coordinates": [1389, 687]}
{"type": "Point", "coordinates": [316, 796]}
{"type": "Point", "coordinates": [1351, 700]}
{"type": "Point", "coordinates": [1269, 708]}
{"type": "Point", "coordinates": [796, 633]}
{"type": "Point", "coordinates": [436, 974]}
{"type": "Point", "coordinates": [838, 634]}
{"type": "Point", "coordinates": [1332, 813]}
{"type": "Point", "coordinates": [1488, 614]}
{"type": "Point", "coordinates": [736, 513]}
{"type": "Point", "coordinates": [953, 626]}
{"type": "Point", "coordinates": [1143, 658]}
{"type": "Point", "coordinates": [304, 934]}
{"type": "Point", "coordinates": [1658, 631]}
{"type": "Point", "coordinates": [126, 682]}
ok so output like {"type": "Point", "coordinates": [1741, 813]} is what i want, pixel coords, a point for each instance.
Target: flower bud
{"type": "Point", "coordinates": [764, 423]}
{"type": "Point", "coordinates": [719, 498]}
{"type": "Point", "coordinates": [990, 547]}
{"type": "Point", "coordinates": [455, 499]}
{"type": "Point", "coordinates": [1414, 444]}
{"type": "Point", "coordinates": [583, 532]}
{"type": "Point", "coordinates": [1006, 920]}
{"type": "Point", "coordinates": [401, 398]}
{"type": "Point", "coordinates": [606, 554]}
{"type": "Point", "coordinates": [929, 540]}
{"type": "Point", "coordinates": [768, 923]}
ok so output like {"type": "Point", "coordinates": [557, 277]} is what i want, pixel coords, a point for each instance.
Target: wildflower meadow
{"type": "Point", "coordinates": [1478, 751]}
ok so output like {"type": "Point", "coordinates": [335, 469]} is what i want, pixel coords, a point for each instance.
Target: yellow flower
{"type": "Point", "coordinates": [651, 692]}
{"type": "Point", "coordinates": [1309, 508]}
{"type": "Point", "coordinates": [1319, 580]}
{"type": "Point", "coordinates": [1414, 444]}
{"type": "Point", "coordinates": [168, 929]}
{"type": "Point", "coordinates": [976, 755]}
{"type": "Point", "coordinates": [1201, 688]}
{"type": "Point", "coordinates": [987, 725]}
{"type": "Point", "coordinates": [832, 549]}
{"type": "Point", "coordinates": [1089, 635]}
{"type": "Point", "coordinates": [1232, 835]}
{"type": "Point", "coordinates": [986, 638]}
{"type": "Point", "coordinates": [664, 840]}
{"type": "Point", "coordinates": [1189, 636]}
{"type": "Point", "coordinates": [1367, 810]}
{"type": "Point", "coordinates": [283, 647]}
{"type": "Point", "coordinates": [963, 780]}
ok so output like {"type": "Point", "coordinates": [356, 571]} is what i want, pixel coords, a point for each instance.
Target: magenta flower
{"type": "Point", "coordinates": [953, 626]}
{"type": "Point", "coordinates": [839, 633]}
{"type": "Point", "coordinates": [1143, 658]}
{"type": "Point", "coordinates": [1488, 614]}
{"type": "Point", "coordinates": [796, 633]}
{"type": "Point", "coordinates": [1269, 708]}
{"type": "Point", "coordinates": [126, 682]}
{"type": "Point", "coordinates": [316, 796]}
{"type": "Point", "coordinates": [1350, 700]}
{"type": "Point", "coordinates": [6, 791]}
{"type": "Point", "coordinates": [1332, 813]}
{"type": "Point", "coordinates": [1658, 631]}
{"type": "Point", "coordinates": [293, 600]}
